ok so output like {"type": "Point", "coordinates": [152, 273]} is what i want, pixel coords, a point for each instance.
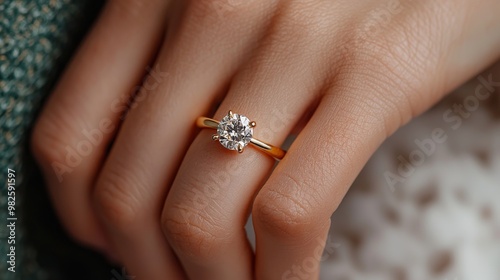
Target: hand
{"type": "Point", "coordinates": [166, 200]}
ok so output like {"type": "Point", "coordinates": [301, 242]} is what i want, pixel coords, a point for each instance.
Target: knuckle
{"type": "Point", "coordinates": [297, 27]}
{"type": "Point", "coordinates": [192, 232]}
{"type": "Point", "coordinates": [285, 215]}
{"type": "Point", "coordinates": [391, 38]}
{"type": "Point", "coordinates": [308, 18]}
{"type": "Point", "coordinates": [44, 145]}
{"type": "Point", "coordinates": [192, 223]}
{"type": "Point", "coordinates": [398, 63]}
{"type": "Point", "coordinates": [208, 11]}
{"type": "Point", "coordinates": [48, 140]}
{"type": "Point", "coordinates": [117, 206]}
{"type": "Point", "coordinates": [403, 41]}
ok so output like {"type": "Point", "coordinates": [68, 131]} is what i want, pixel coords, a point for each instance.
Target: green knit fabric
{"type": "Point", "coordinates": [37, 38]}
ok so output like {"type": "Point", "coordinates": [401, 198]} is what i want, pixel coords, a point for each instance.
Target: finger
{"type": "Point", "coordinates": [82, 114]}
{"type": "Point", "coordinates": [207, 208]}
{"type": "Point", "coordinates": [132, 187]}
{"type": "Point", "coordinates": [369, 100]}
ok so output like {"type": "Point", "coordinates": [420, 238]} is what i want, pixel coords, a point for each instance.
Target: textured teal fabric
{"type": "Point", "coordinates": [36, 39]}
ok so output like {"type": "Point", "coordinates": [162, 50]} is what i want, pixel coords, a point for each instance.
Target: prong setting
{"type": "Point", "coordinates": [253, 124]}
{"type": "Point", "coordinates": [230, 113]}
{"type": "Point", "coordinates": [240, 148]}
{"type": "Point", "coordinates": [215, 137]}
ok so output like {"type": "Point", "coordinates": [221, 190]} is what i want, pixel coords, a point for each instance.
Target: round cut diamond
{"type": "Point", "coordinates": [234, 131]}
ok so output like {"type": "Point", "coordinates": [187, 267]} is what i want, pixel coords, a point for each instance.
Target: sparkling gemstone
{"type": "Point", "coordinates": [234, 130]}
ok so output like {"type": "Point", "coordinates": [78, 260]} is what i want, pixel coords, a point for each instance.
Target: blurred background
{"type": "Point", "coordinates": [426, 206]}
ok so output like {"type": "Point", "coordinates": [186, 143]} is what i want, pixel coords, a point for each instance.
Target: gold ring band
{"type": "Point", "coordinates": [243, 124]}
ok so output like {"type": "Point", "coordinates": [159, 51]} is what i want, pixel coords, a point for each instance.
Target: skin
{"type": "Point", "coordinates": [159, 196]}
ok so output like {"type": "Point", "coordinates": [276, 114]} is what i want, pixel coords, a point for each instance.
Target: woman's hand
{"type": "Point", "coordinates": [164, 199]}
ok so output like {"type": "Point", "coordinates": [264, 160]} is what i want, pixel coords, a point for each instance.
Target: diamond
{"type": "Point", "coordinates": [234, 131]}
